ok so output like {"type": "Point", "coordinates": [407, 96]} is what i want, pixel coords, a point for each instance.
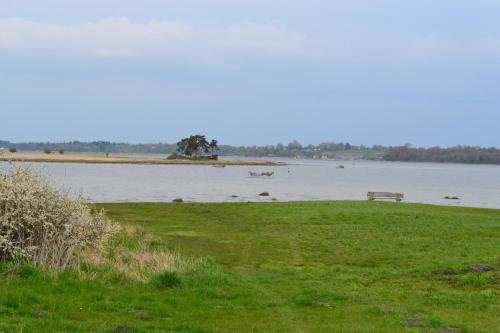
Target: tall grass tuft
{"type": "Point", "coordinates": [41, 225]}
{"type": "Point", "coordinates": [134, 256]}
{"type": "Point", "coordinates": [167, 279]}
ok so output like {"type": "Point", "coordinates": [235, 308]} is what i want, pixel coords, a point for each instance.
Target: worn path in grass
{"type": "Point", "coordinates": [287, 267]}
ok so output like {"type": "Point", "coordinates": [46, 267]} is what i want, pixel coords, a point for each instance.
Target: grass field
{"type": "Point", "coordinates": [282, 267]}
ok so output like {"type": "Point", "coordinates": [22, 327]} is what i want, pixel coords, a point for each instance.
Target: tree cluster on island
{"type": "Point", "coordinates": [196, 146]}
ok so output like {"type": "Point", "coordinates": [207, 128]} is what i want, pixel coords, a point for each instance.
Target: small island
{"type": "Point", "coordinates": [195, 150]}
{"type": "Point", "coordinates": [36, 157]}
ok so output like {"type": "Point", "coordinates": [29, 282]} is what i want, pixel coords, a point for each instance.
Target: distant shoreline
{"type": "Point", "coordinates": [96, 159]}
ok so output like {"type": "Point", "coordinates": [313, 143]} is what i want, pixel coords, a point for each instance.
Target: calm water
{"type": "Point", "coordinates": [475, 185]}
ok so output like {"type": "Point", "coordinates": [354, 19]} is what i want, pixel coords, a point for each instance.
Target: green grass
{"type": "Point", "coordinates": [282, 267]}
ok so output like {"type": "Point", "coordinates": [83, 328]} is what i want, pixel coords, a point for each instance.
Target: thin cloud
{"type": "Point", "coordinates": [178, 42]}
{"type": "Point", "coordinates": [120, 38]}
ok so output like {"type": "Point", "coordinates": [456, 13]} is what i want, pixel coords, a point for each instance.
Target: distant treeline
{"type": "Point", "coordinates": [293, 149]}
{"type": "Point", "coordinates": [458, 154]}
{"type": "Point", "coordinates": [94, 147]}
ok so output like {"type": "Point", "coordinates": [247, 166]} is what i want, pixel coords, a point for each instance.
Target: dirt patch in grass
{"type": "Point", "coordinates": [141, 313]}
{"type": "Point", "coordinates": [445, 272]}
{"type": "Point", "coordinates": [320, 303]}
{"type": "Point", "coordinates": [125, 329]}
{"type": "Point", "coordinates": [416, 322]}
{"type": "Point", "coordinates": [448, 330]}
{"type": "Point", "coordinates": [42, 313]}
{"type": "Point", "coordinates": [481, 268]}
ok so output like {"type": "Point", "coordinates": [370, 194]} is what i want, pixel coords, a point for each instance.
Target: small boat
{"type": "Point", "coordinates": [219, 165]}
{"type": "Point", "coordinates": [261, 174]}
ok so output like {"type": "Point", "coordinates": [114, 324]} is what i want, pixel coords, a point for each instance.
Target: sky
{"type": "Point", "coordinates": [251, 72]}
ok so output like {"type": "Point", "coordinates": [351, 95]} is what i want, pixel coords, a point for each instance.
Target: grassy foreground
{"type": "Point", "coordinates": [283, 267]}
{"type": "Point", "coordinates": [101, 159]}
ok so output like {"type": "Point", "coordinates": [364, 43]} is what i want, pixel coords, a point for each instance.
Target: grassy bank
{"type": "Point", "coordinates": [281, 267]}
{"type": "Point", "coordinates": [356, 155]}
{"type": "Point", "coordinates": [102, 159]}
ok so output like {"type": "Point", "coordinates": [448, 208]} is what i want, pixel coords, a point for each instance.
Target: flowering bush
{"type": "Point", "coordinates": [40, 224]}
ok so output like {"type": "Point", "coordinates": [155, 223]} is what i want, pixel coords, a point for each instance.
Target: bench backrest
{"type": "Point", "coordinates": [385, 195]}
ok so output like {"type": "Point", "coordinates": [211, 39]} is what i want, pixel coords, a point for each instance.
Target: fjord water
{"type": "Point", "coordinates": [475, 185]}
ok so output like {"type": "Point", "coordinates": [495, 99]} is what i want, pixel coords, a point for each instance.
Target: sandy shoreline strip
{"type": "Point", "coordinates": [100, 159]}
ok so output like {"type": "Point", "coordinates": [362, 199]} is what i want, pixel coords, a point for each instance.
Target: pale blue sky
{"type": "Point", "coordinates": [251, 72]}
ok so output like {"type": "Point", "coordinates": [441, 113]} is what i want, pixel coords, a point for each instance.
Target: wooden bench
{"type": "Point", "coordinates": [385, 195]}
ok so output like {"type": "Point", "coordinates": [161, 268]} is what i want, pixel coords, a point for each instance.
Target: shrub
{"type": "Point", "coordinates": [13, 150]}
{"type": "Point", "coordinates": [61, 151]}
{"type": "Point", "coordinates": [174, 156]}
{"type": "Point", "coordinates": [43, 226]}
{"type": "Point", "coordinates": [47, 151]}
